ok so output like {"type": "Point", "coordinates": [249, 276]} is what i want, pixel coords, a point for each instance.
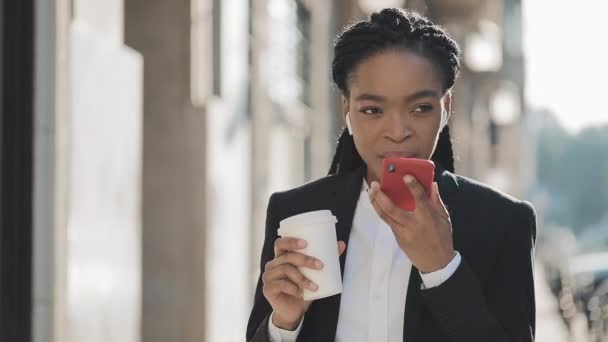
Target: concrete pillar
{"type": "Point", "coordinates": [87, 175]}
{"type": "Point", "coordinates": [324, 120]}
{"type": "Point", "coordinates": [174, 172]}
{"type": "Point", "coordinates": [50, 176]}
{"type": "Point", "coordinates": [230, 179]}
{"type": "Point", "coordinates": [104, 184]}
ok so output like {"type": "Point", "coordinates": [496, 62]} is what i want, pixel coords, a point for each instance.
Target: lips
{"type": "Point", "coordinates": [398, 154]}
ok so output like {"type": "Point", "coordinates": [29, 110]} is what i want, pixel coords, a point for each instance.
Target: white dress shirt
{"type": "Point", "coordinates": [374, 284]}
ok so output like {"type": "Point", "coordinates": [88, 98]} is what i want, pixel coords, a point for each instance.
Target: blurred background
{"type": "Point", "coordinates": [141, 140]}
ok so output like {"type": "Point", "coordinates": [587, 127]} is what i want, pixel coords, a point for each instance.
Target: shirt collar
{"type": "Point", "coordinates": [364, 198]}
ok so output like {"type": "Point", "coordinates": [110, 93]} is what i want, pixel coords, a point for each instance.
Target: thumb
{"type": "Point", "coordinates": [341, 247]}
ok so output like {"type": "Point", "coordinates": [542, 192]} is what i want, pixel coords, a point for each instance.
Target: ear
{"type": "Point", "coordinates": [447, 104]}
{"type": "Point", "coordinates": [345, 106]}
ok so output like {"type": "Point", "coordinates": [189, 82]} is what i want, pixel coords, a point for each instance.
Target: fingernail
{"type": "Point", "coordinates": [318, 264]}
{"type": "Point", "coordinates": [313, 286]}
{"type": "Point", "coordinates": [301, 243]}
{"type": "Point", "coordinates": [408, 178]}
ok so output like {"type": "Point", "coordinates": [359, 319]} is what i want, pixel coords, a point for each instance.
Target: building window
{"type": "Point", "coordinates": [287, 62]}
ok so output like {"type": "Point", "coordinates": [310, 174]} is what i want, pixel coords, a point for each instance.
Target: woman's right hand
{"type": "Point", "coordinates": [284, 284]}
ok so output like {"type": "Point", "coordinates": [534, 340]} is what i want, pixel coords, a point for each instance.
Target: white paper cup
{"type": "Point", "coordinates": [318, 228]}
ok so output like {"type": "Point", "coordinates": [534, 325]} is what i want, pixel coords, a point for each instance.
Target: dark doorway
{"type": "Point", "coordinates": [16, 102]}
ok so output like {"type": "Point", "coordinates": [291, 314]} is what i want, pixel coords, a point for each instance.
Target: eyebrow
{"type": "Point", "coordinates": [422, 94]}
{"type": "Point", "coordinates": [415, 96]}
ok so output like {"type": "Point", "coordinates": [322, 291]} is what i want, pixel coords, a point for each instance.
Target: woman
{"type": "Point", "coordinates": [457, 268]}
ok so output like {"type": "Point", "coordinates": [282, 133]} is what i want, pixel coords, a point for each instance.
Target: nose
{"type": "Point", "coordinates": [398, 127]}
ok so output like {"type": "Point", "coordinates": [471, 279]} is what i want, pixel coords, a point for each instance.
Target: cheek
{"type": "Point", "coordinates": [366, 141]}
{"type": "Point", "coordinates": [366, 146]}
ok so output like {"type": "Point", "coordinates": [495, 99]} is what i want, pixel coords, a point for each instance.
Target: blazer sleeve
{"type": "Point", "coordinates": [503, 311]}
{"type": "Point", "coordinates": [257, 326]}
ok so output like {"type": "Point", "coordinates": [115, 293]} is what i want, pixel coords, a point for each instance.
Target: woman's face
{"type": "Point", "coordinates": [395, 103]}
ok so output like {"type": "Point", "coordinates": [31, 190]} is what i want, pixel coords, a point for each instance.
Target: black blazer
{"type": "Point", "coordinates": [490, 297]}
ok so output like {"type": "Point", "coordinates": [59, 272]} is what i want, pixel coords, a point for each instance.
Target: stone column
{"type": "Point", "coordinates": [229, 178]}
{"type": "Point", "coordinates": [174, 172]}
{"type": "Point", "coordinates": [104, 177]}
{"type": "Point", "coordinates": [50, 177]}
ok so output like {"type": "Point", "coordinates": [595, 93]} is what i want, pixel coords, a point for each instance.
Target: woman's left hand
{"type": "Point", "coordinates": [425, 234]}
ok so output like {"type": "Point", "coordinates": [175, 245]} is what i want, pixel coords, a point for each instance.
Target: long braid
{"type": "Point", "coordinates": [333, 169]}
{"type": "Point", "coordinates": [346, 156]}
{"type": "Point", "coordinates": [443, 154]}
{"type": "Point", "coordinates": [393, 28]}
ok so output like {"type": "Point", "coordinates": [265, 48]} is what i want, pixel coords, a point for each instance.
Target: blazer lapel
{"type": "Point", "coordinates": [413, 304]}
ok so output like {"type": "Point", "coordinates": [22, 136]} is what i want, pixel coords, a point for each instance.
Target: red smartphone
{"type": "Point", "coordinates": [392, 184]}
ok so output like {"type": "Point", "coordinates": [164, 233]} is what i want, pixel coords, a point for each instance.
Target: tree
{"type": "Point", "coordinates": [574, 172]}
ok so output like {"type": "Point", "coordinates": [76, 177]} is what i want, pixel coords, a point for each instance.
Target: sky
{"type": "Point", "coordinates": [566, 51]}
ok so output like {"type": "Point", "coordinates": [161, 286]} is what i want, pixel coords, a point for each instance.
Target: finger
{"type": "Point", "coordinates": [341, 247]}
{"type": "Point", "coordinates": [280, 286]}
{"type": "Point", "coordinates": [387, 218]}
{"type": "Point", "coordinates": [397, 228]}
{"type": "Point", "coordinates": [286, 244]}
{"type": "Point", "coordinates": [296, 259]}
{"type": "Point", "coordinates": [418, 192]}
{"type": "Point", "coordinates": [287, 271]}
{"type": "Point", "coordinates": [437, 203]}
{"type": "Point", "coordinates": [383, 202]}
{"type": "Point", "coordinates": [371, 191]}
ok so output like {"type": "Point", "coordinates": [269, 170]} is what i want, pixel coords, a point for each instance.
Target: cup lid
{"type": "Point", "coordinates": [310, 217]}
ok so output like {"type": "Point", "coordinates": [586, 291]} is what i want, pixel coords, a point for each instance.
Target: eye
{"type": "Point", "coordinates": [371, 110]}
{"type": "Point", "coordinates": [425, 108]}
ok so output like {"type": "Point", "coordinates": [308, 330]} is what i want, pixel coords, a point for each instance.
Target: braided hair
{"type": "Point", "coordinates": [388, 29]}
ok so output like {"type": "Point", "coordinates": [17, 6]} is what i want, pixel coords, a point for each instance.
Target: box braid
{"type": "Point", "coordinates": [393, 28]}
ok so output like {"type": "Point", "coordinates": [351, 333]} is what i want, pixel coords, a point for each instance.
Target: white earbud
{"type": "Point", "coordinates": [350, 128]}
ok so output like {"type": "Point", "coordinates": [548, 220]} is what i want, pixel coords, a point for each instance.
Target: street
{"type": "Point", "coordinates": [549, 325]}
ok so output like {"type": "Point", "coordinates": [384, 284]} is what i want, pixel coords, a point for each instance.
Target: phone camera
{"type": "Point", "coordinates": [392, 168]}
